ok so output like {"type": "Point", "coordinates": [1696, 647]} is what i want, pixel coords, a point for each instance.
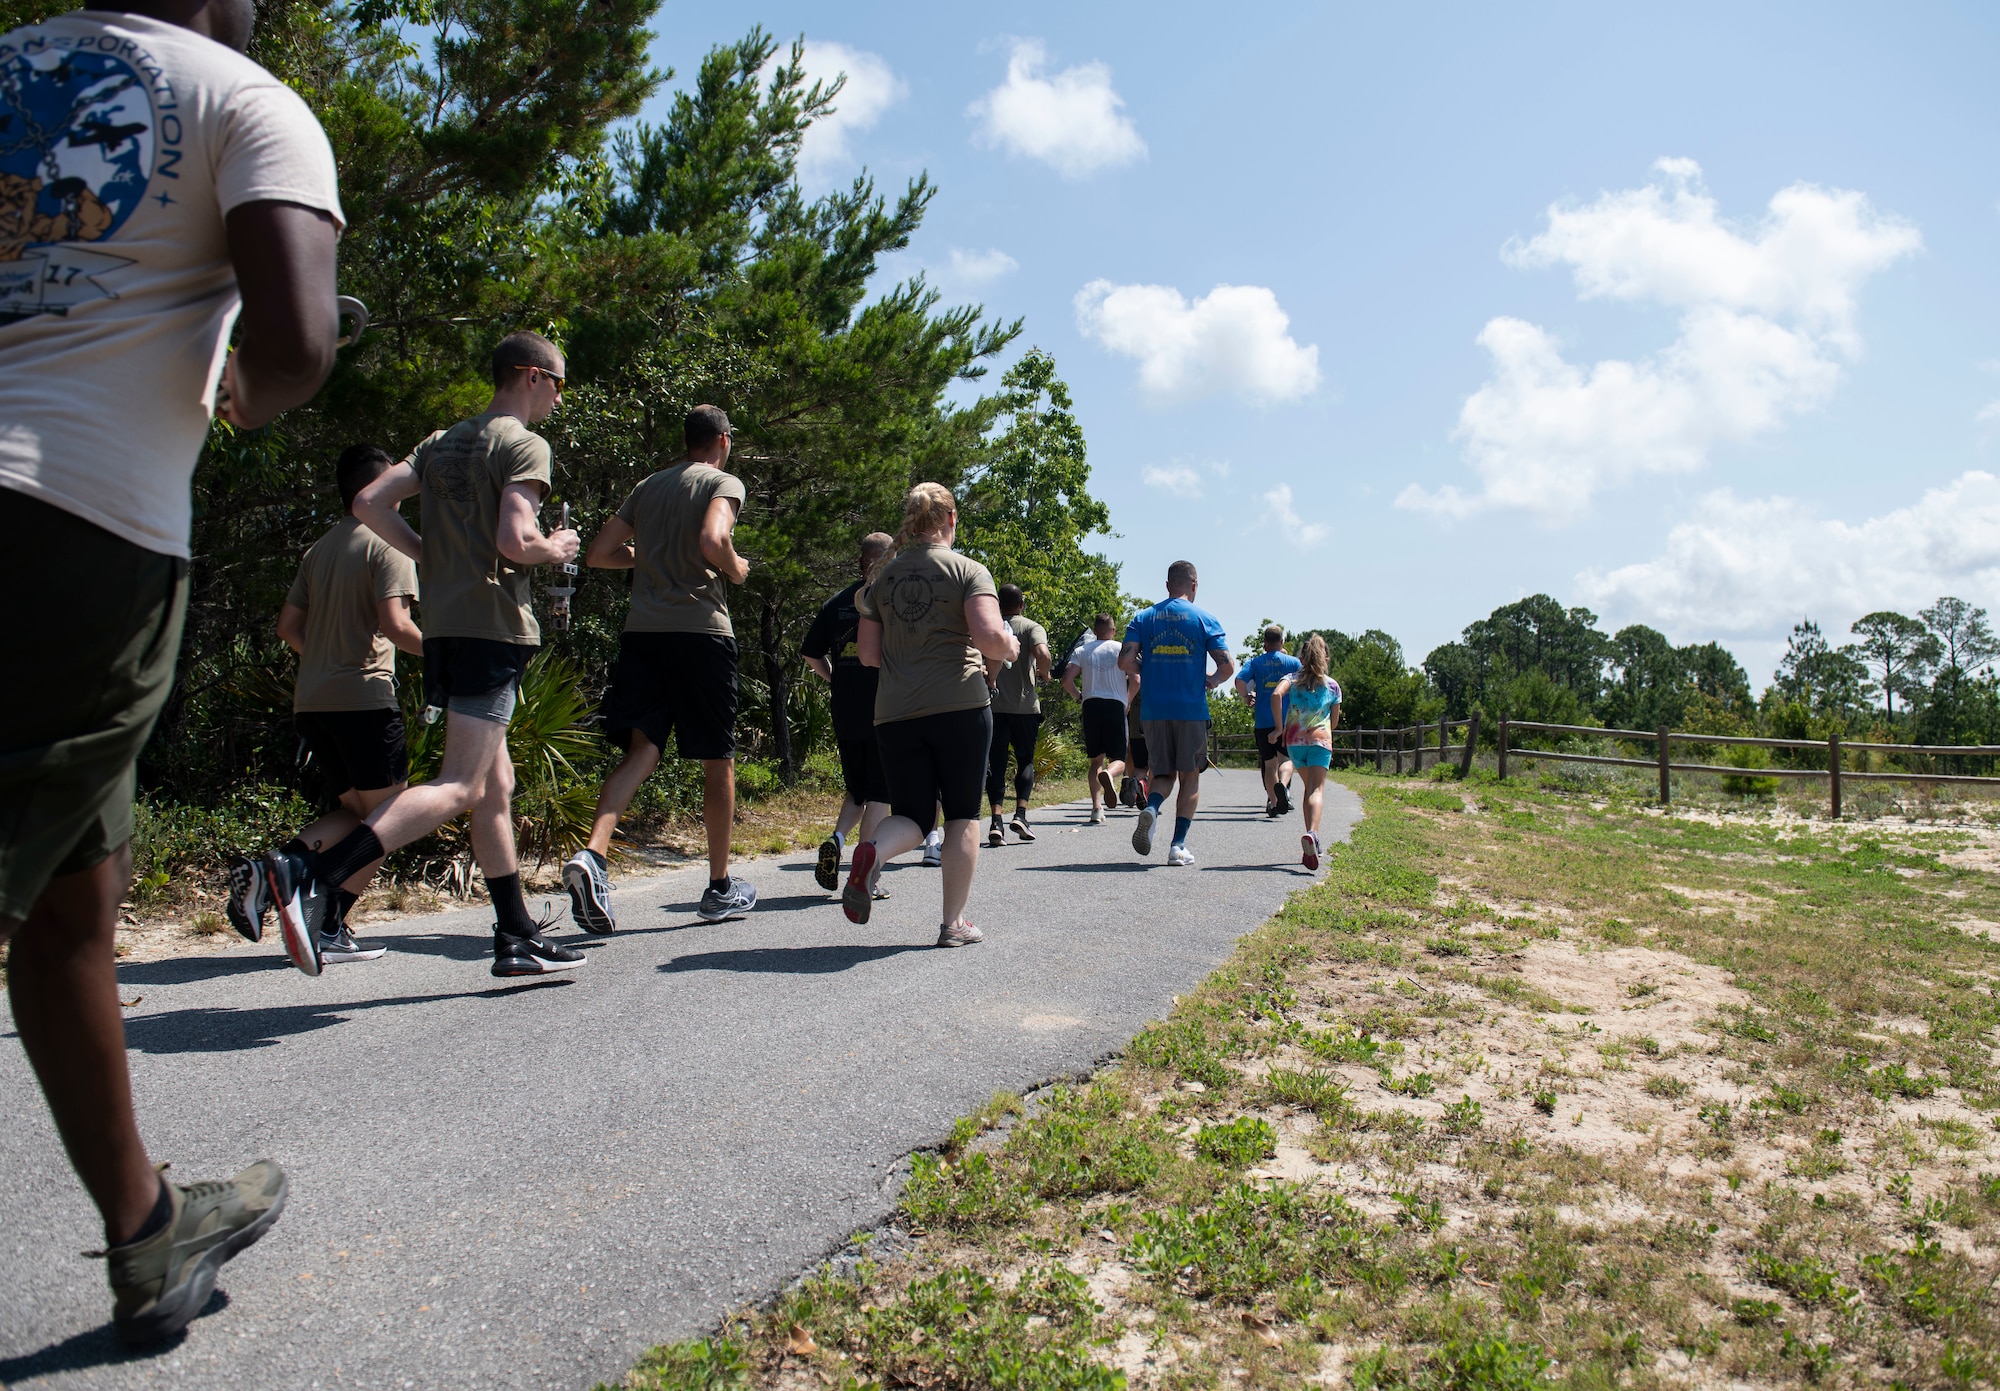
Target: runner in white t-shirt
{"type": "Point", "coordinates": [153, 181]}
{"type": "Point", "coordinates": [1106, 692]}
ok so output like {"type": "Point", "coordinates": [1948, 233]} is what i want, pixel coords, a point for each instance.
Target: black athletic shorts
{"type": "Point", "coordinates": [861, 764]}
{"type": "Point", "coordinates": [362, 750]}
{"type": "Point", "coordinates": [1104, 729]}
{"type": "Point", "coordinates": [1270, 746]}
{"type": "Point", "coordinates": [471, 667]}
{"type": "Point", "coordinates": [937, 758]}
{"type": "Point", "coordinates": [683, 683]}
{"type": "Point", "coordinates": [97, 621]}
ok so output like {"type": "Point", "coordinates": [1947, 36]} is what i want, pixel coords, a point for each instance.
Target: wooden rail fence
{"type": "Point", "coordinates": [1390, 748]}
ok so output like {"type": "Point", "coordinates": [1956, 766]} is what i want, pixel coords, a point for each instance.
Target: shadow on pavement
{"type": "Point", "coordinates": [185, 970]}
{"type": "Point", "coordinates": [94, 1347]}
{"type": "Point", "coordinates": [212, 1030]}
{"type": "Point", "coordinates": [1134, 865]}
{"type": "Point", "coordinates": [802, 961]}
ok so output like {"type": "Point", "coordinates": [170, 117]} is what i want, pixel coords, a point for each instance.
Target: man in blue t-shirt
{"type": "Point", "coordinates": [1168, 647]}
{"type": "Point", "coordinates": [1255, 683]}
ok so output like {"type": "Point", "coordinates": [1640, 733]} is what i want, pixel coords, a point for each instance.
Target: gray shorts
{"type": "Point", "coordinates": [1176, 746]}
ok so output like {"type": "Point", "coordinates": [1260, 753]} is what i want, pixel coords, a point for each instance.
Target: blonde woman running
{"type": "Point", "coordinates": [930, 619]}
{"type": "Point", "coordinates": [1306, 706]}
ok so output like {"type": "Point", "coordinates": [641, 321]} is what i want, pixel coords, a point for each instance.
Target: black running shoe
{"type": "Point", "coordinates": [827, 872]}
{"type": "Point", "coordinates": [304, 904]}
{"type": "Point", "coordinates": [1284, 799]}
{"type": "Point", "coordinates": [996, 835]}
{"type": "Point", "coordinates": [1019, 826]}
{"type": "Point", "coordinates": [589, 893]}
{"type": "Point", "coordinates": [531, 956]}
{"type": "Point", "coordinates": [249, 898]}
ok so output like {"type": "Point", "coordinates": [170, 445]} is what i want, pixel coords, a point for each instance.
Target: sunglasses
{"type": "Point", "coordinates": [529, 367]}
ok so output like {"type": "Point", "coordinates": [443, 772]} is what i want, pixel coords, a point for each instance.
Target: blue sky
{"type": "Point", "coordinates": [1685, 314]}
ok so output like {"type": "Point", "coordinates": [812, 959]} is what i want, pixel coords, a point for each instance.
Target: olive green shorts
{"type": "Point", "coordinates": [95, 626]}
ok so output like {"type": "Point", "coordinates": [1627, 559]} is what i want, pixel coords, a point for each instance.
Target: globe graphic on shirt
{"type": "Point", "coordinates": [76, 152]}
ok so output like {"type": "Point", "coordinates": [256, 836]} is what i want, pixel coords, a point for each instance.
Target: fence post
{"type": "Point", "coordinates": [1503, 749]}
{"type": "Point", "coordinates": [1399, 753]}
{"type": "Point", "coordinates": [1378, 749]}
{"type": "Point", "coordinates": [1665, 793]}
{"type": "Point", "coordinates": [1471, 743]}
{"type": "Point", "coordinates": [1443, 739]}
{"type": "Point", "coordinates": [1833, 772]}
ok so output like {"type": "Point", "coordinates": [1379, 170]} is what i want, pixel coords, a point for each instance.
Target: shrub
{"type": "Point", "coordinates": [1750, 756]}
{"type": "Point", "coordinates": [970, 1193]}
{"type": "Point", "coordinates": [1238, 1143]}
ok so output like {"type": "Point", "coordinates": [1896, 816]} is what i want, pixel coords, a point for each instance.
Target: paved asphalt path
{"type": "Point", "coordinates": [499, 1185]}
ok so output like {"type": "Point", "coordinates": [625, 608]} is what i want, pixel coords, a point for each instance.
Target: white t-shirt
{"type": "Point", "coordinates": [123, 143]}
{"type": "Point", "coordinates": [1101, 679]}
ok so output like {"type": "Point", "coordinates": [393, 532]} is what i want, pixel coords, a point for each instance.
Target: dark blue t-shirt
{"type": "Point", "coordinates": [1264, 671]}
{"type": "Point", "coordinates": [1174, 640]}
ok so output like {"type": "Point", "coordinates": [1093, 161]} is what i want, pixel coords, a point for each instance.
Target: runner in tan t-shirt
{"type": "Point", "coordinates": [346, 615]}
{"type": "Point", "coordinates": [931, 621]}
{"type": "Point", "coordinates": [482, 482]}
{"type": "Point", "coordinates": [676, 661]}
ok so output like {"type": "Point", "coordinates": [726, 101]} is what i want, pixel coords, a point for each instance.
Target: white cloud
{"type": "Point", "coordinates": [1178, 479]}
{"type": "Point", "coordinates": [1753, 565]}
{"type": "Point", "coordinates": [1071, 121]}
{"type": "Point", "coordinates": [872, 88]}
{"type": "Point", "coordinates": [1235, 338]}
{"type": "Point", "coordinates": [1768, 318]}
{"type": "Point", "coordinates": [975, 268]}
{"type": "Point", "coordinates": [1295, 529]}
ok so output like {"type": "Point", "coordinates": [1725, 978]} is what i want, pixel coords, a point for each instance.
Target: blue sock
{"type": "Point", "coordinates": [1156, 801]}
{"type": "Point", "coordinates": [1181, 825]}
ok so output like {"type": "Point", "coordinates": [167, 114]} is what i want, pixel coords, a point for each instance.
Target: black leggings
{"type": "Point", "coordinates": [1020, 733]}
{"type": "Point", "coordinates": [933, 759]}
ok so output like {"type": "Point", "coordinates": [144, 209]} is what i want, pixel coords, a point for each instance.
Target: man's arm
{"type": "Point", "coordinates": [519, 535]}
{"type": "Point", "coordinates": [820, 667]}
{"type": "Point", "coordinates": [1043, 661]}
{"type": "Point", "coordinates": [1249, 694]}
{"type": "Point", "coordinates": [717, 546]}
{"type": "Point", "coordinates": [868, 642]}
{"type": "Point", "coordinates": [392, 617]}
{"type": "Point", "coordinates": [376, 506]}
{"type": "Point", "coordinates": [990, 634]}
{"type": "Point", "coordinates": [292, 627]}
{"type": "Point", "coordinates": [1225, 665]}
{"type": "Point", "coordinates": [284, 260]}
{"type": "Point", "coordinates": [611, 548]}
{"type": "Point", "coordinates": [1070, 673]}
{"type": "Point", "coordinates": [1128, 659]}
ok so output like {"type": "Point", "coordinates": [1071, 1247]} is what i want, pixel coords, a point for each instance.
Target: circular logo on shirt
{"type": "Point", "coordinates": [910, 597]}
{"type": "Point", "coordinates": [76, 152]}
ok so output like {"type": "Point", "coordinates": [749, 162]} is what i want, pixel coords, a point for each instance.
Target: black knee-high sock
{"type": "Point", "coordinates": [509, 908]}
{"type": "Point", "coordinates": [348, 857]}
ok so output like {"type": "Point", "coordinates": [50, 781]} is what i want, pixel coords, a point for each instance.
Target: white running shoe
{"type": "Point", "coordinates": [959, 935]}
{"type": "Point", "coordinates": [1096, 817]}
{"type": "Point", "coordinates": [1142, 833]}
{"type": "Point", "coordinates": [934, 849]}
{"type": "Point", "coordinates": [1179, 855]}
{"type": "Point", "coordinates": [589, 894]}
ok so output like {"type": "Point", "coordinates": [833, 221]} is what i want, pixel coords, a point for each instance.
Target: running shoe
{"type": "Point", "coordinates": [1309, 850]}
{"type": "Point", "coordinates": [827, 872]}
{"type": "Point", "coordinates": [534, 955]}
{"type": "Point", "coordinates": [341, 946]}
{"type": "Point", "coordinates": [733, 900]}
{"type": "Point", "coordinates": [304, 904]}
{"type": "Point", "coordinates": [855, 899]}
{"type": "Point", "coordinates": [1107, 787]}
{"type": "Point", "coordinates": [1271, 809]}
{"type": "Point", "coordinates": [1127, 790]}
{"type": "Point", "coordinates": [1142, 832]}
{"type": "Point", "coordinates": [960, 935]}
{"type": "Point", "coordinates": [1096, 817]}
{"type": "Point", "coordinates": [249, 898]}
{"type": "Point", "coordinates": [160, 1283]}
{"type": "Point", "coordinates": [583, 874]}
{"type": "Point", "coordinates": [996, 835]}
{"type": "Point", "coordinates": [933, 849]}
{"type": "Point", "coordinates": [1019, 826]}
{"type": "Point", "coordinates": [1284, 799]}
{"type": "Point", "coordinates": [1179, 855]}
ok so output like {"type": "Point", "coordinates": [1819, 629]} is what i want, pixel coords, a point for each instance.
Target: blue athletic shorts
{"type": "Point", "coordinates": [1309, 756]}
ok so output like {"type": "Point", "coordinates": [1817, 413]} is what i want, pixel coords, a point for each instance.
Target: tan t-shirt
{"type": "Point", "coordinates": [348, 664]}
{"type": "Point", "coordinates": [470, 589]}
{"type": "Point", "coordinates": [124, 143]}
{"type": "Point", "coordinates": [1016, 693]}
{"type": "Point", "coordinates": [929, 664]}
{"type": "Point", "coordinates": [673, 588]}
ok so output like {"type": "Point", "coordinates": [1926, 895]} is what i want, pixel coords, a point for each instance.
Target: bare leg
{"type": "Point", "coordinates": [718, 811]}
{"type": "Point", "coordinates": [62, 980]}
{"type": "Point", "coordinates": [642, 756]}
{"type": "Point", "coordinates": [1269, 769]}
{"type": "Point", "coordinates": [1162, 785]}
{"type": "Point", "coordinates": [1096, 792]}
{"type": "Point", "coordinates": [1190, 797]}
{"type": "Point", "coordinates": [470, 747]}
{"type": "Point", "coordinates": [354, 807]}
{"type": "Point", "coordinates": [1285, 772]}
{"type": "Point", "coordinates": [872, 817]}
{"type": "Point", "coordinates": [961, 858]}
{"type": "Point", "coordinates": [493, 820]}
{"type": "Point", "coordinates": [896, 835]}
{"type": "Point", "coordinates": [851, 812]}
{"type": "Point", "coordinates": [1315, 781]}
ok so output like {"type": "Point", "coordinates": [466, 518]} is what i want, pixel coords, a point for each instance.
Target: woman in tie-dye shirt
{"type": "Point", "coordinates": [1309, 701]}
